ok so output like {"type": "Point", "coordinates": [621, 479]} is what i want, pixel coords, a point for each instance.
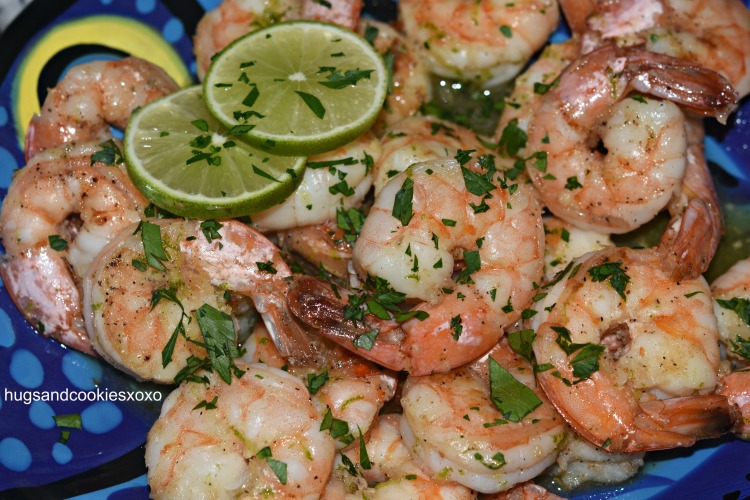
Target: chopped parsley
{"type": "Point", "coordinates": [739, 305]}
{"type": "Point", "coordinates": [614, 273]}
{"type": "Point", "coordinates": [219, 340]}
{"type": "Point", "coordinates": [313, 103]}
{"type": "Point", "coordinates": [56, 243]}
{"type": "Point", "coordinates": [402, 205]}
{"type": "Point", "coordinates": [208, 405]}
{"type": "Point", "coordinates": [152, 244]}
{"type": "Point", "coordinates": [316, 381]}
{"type": "Point", "coordinates": [110, 154]}
{"type": "Point", "coordinates": [512, 398]}
{"type": "Point", "coordinates": [210, 229]}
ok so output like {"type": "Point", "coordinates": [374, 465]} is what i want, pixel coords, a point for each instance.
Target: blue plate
{"type": "Point", "coordinates": [104, 459]}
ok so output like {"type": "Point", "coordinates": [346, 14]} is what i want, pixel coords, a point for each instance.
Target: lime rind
{"type": "Point", "coordinates": [270, 68]}
{"type": "Point", "coordinates": [160, 152]}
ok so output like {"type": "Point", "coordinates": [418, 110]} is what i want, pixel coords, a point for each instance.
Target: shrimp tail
{"type": "Point", "coordinates": [576, 14]}
{"type": "Point", "coordinates": [43, 289]}
{"type": "Point", "coordinates": [694, 417]}
{"type": "Point", "coordinates": [694, 87]}
{"type": "Point", "coordinates": [289, 336]}
{"type": "Point", "coordinates": [695, 230]}
{"type": "Point", "coordinates": [317, 305]}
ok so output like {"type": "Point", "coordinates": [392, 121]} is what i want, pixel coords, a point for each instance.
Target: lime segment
{"type": "Point", "coordinates": [297, 88]}
{"type": "Point", "coordinates": [183, 160]}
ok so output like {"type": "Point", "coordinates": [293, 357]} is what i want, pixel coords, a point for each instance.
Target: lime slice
{"type": "Point", "coordinates": [183, 160]}
{"type": "Point", "coordinates": [298, 87]}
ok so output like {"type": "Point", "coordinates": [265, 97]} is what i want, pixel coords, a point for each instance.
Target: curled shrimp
{"type": "Point", "coordinates": [91, 97]}
{"type": "Point", "coordinates": [337, 179]}
{"type": "Point", "coordinates": [451, 424]}
{"type": "Point", "coordinates": [131, 331]}
{"type": "Point", "coordinates": [262, 437]}
{"type": "Point", "coordinates": [487, 41]}
{"type": "Point", "coordinates": [651, 344]}
{"type": "Point", "coordinates": [232, 19]}
{"type": "Point", "coordinates": [394, 472]}
{"type": "Point", "coordinates": [421, 138]}
{"type": "Point", "coordinates": [713, 34]}
{"type": "Point", "coordinates": [410, 85]}
{"type": "Point", "coordinates": [462, 318]}
{"type": "Point", "coordinates": [645, 139]}
{"type": "Point", "coordinates": [354, 390]}
{"type": "Point", "coordinates": [60, 210]}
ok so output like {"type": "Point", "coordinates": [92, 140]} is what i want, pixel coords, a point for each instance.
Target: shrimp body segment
{"type": "Point", "coordinates": [421, 138]}
{"type": "Point", "coordinates": [337, 179]}
{"type": "Point", "coordinates": [216, 453]}
{"type": "Point", "coordinates": [198, 272]}
{"type": "Point", "coordinates": [645, 140]}
{"type": "Point", "coordinates": [93, 96]}
{"type": "Point", "coordinates": [488, 41]}
{"type": "Point", "coordinates": [61, 195]}
{"type": "Point", "coordinates": [503, 254]}
{"type": "Point", "coordinates": [656, 345]}
{"type": "Point", "coordinates": [452, 426]}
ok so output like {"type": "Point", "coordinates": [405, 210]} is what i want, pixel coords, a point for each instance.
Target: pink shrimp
{"type": "Point", "coordinates": [93, 96]}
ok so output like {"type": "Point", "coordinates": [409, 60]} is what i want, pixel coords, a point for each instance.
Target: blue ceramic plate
{"type": "Point", "coordinates": [104, 459]}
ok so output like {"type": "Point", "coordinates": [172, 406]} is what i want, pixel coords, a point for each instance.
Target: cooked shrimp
{"type": "Point", "coordinates": [502, 248]}
{"type": "Point", "coordinates": [235, 18]}
{"type": "Point", "coordinates": [410, 85]}
{"type": "Point", "coordinates": [580, 463]}
{"type": "Point", "coordinates": [530, 86]}
{"type": "Point", "coordinates": [486, 41]}
{"type": "Point", "coordinates": [338, 179]}
{"type": "Point", "coordinates": [92, 97]}
{"type": "Point", "coordinates": [355, 390]}
{"type": "Point", "coordinates": [262, 438]}
{"type": "Point", "coordinates": [128, 330]}
{"type": "Point", "coordinates": [644, 138]}
{"type": "Point", "coordinates": [735, 387]}
{"type": "Point", "coordinates": [692, 237]}
{"type": "Point", "coordinates": [324, 244]}
{"type": "Point", "coordinates": [60, 210]}
{"type": "Point", "coordinates": [731, 296]}
{"type": "Point", "coordinates": [565, 242]}
{"type": "Point", "coordinates": [394, 473]}
{"type": "Point", "coordinates": [421, 138]}
{"type": "Point", "coordinates": [713, 34]}
{"type": "Point", "coordinates": [454, 428]}
{"type": "Point", "coordinates": [634, 353]}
